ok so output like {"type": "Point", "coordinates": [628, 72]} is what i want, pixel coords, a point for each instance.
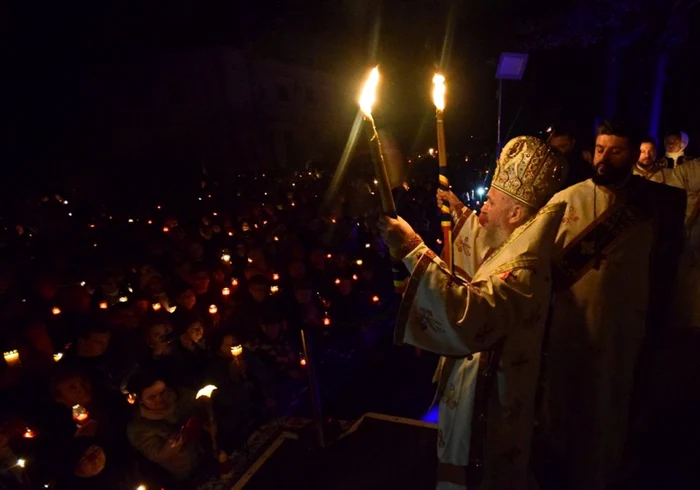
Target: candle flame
{"type": "Point", "coordinates": [21, 462]}
{"type": "Point", "coordinates": [206, 391]}
{"type": "Point", "coordinates": [302, 361]}
{"type": "Point", "coordinates": [103, 305]}
{"type": "Point", "coordinates": [213, 309]}
{"type": "Point", "coordinates": [439, 92]}
{"type": "Point", "coordinates": [11, 355]}
{"type": "Point", "coordinates": [58, 356]}
{"type": "Point", "coordinates": [369, 92]}
{"type": "Point", "coordinates": [156, 306]}
{"type": "Point", "coordinates": [375, 299]}
{"type": "Point", "coordinates": [29, 434]}
{"type": "Point", "coordinates": [131, 398]}
{"type": "Point", "coordinates": [274, 289]}
{"type": "Point", "coordinates": [234, 282]}
{"type": "Point", "coordinates": [141, 487]}
{"type": "Point", "coordinates": [56, 310]}
{"type": "Point", "coordinates": [326, 321]}
{"type": "Point", "coordinates": [225, 292]}
{"type": "Point", "coordinates": [275, 277]}
{"type": "Point", "coordinates": [226, 258]}
{"type": "Point", "coordinates": [236, 350]}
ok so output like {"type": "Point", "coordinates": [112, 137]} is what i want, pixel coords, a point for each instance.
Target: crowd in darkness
{"type": "Point", "coordinates": [111, 322]}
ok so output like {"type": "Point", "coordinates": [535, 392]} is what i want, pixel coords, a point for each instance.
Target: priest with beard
{"type": "Point", "coordinates": [615, 258]}
{"type": "Point", "coordinates": [487, 320]}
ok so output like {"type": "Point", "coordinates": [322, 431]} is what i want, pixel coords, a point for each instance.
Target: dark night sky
{"type": "Point", "coordinates": [51, 45]}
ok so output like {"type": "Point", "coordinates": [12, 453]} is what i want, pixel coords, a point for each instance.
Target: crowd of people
{"type": "Point", "coordinates": [114, 320]}
{"type": "Point", "coordinates": [111, 326]}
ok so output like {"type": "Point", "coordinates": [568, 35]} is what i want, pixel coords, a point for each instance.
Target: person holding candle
{"type": "Point", "coordinates": [166, 428]}
{"type": "Point", "coordinates": [492, 321]}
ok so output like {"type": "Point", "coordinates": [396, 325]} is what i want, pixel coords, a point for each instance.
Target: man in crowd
{"type": "Point", "coordinates": [615, 250]}
{"type": "Point", "coordinates": [579, 170]}
{"type": "Point", "coordinates": [495, 322]}
{"type": "Point", "coordinates": [675, 142]}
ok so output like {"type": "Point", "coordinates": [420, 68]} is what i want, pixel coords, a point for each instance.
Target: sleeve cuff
{"type": "Point", "coordinates": [411, 259]}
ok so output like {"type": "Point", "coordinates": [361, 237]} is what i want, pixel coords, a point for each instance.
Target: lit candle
{"type": "Point", "coordinates": [375, 299]}
{"type": "Point", "coordinates": [326, 322]}
{"type": "Point", "coordinates": [337, 281]}
{"type": "Point", "coordinates": [274, 289]}
{"type": "Point", "coordinates": [172, 309]}
{"type": "Point", "coordinates": [236, 350]}
{"type": "Point", "coordinates": [29, 433]}
{"type": "Point", "coordinates": [58, 356]}
{"type": "Point", "coordinates": [131, 398]}
{"type": "Point", "coordinates": [123, 299]}
{"type": "Point", "coordinates": [21, 462]}
{"type": "Point", "coordinates": [213, 309]}
{"type": "Point", "coordinates": [329, 256]}
{"type": "Point", "coordinates": [302, 362]}
{"type": "Point", "coordinates": [103, 305]}
{"type": "Point", "coordinates": [226, 258]}
{"type": "Point", "coordinates": [206, 391]}
{"type": "Point", "coordinates": [358, 261]}
{"type": "Point", "coordinates": [141, 487]}
{"type": "Point", "coordinates": [80, 414]}
{"type": "Point", "coordinates": [275, 277]}
{"type": "Point", "coordinates": [367, 245]}
{"type": "Point", "coordinates": [354, 277]}
{"type": "Point", "coordinates": [225, 292]}
{"type": "Point", "coordinates": [12, 358]}
{"type": "Point", "coordinates": [276, 239]}
{"type": "Point", "coordinates": [234, 282]}
{"type": "Point", "coordinates": [156, 306]}
{"type": "Point", "coordinates": [92, 225]}
{"type": "Point", "coordinates": [56, 310]}
{"type": "Point", "coordinates": [166, 229]}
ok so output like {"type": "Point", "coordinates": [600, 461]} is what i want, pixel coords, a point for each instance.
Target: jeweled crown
{"type": "Point", "coordinates": [530, 171]}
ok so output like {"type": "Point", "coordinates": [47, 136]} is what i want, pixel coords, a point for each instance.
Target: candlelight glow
{"type": "Point", "coordinates": [141, 487]}
{"type": "Point", "coordinates": [131, 398]}
{"type": "Point", "coordinates": [123, 299]}
{"type": "Point", "coordinates": [21, 462]}
{"type": "Point", "coordinates": [358, 261]}
{"type": "Point", "coordinates": [226, 258]}
{"type": "Point", "coordinates": [277, 239]}
{"type": "Point", "coordinates": [56, 310]}
{"type": "Point", "coordinates": [58, 356]}
{"type": "Point", "coordinates": [166, 229]}
{"type": "Point", "coordinates": [326, 322]}
{"type": "Point", "coordinates": [274, 289]}
{"type": "Point", "coordinates": [302, 361]}
{"type": "Point", "coordinates": [11, 357]}
{"type": "Point", "coordinates": [337, 281]}
{"type": "Point", "coordinates": [275, 277]}
{"type": "Point", "coordinates": [206, 391]}
{"type": "Point", "coordinates": [225, 292]}
{"type": "Point", "coordinates": [375, 299]}
{"type": "Point", "coordinates": [369, 92]}
{"type": "Point", "coordinates": [103, 305]}
{"type": "Point", "coordinates": [236, 350]}
{"type": "Point", "coordinates": [80, 414]}
{"type": "Point", "coordinates": [213, 309]}
{"type": "Point", "coordinates": [234, 282]}
{"type": "Point", "coordinates": [439, 92]}
{"type": "Point", "coordinates": [172, 309]}
{"type": "Point", "coordinates": [156, 306]}
{"type": "Point", "coordinates": [29, 433]}
{"type": "Point", "coordinates": [367, 245]}
{"type": "Point", "coordinates": [354, 277]}
{"type": "Point", "coordinates": [250, 261]}
{"type": "Point", "coordinates": [329, 256]}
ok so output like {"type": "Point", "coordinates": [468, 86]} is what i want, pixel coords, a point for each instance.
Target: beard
{"type": "Point", "coordinates": [494, 236]}
{"type": "Point", "coordinates": [606, 174]}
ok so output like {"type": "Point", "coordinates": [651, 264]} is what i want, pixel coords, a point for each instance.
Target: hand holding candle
{"type": "Point", "coordinates": [12, 358]}
{"type": "Point", "coordinates": [446, 219]}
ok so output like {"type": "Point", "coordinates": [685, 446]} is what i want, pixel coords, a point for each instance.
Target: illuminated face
{"type": "Point", "coordinates": [226, 343]}
{"type": "Point", "coordinates": [673, 143]}
{"type": "Point", "coordinates": [195, 332]}
{"type": "Point", "coordinates": [613, 159]}
{"type": "Point", "coordinates": [647, 153]}
{"type": "Point", "coordinates": [494, 218]}
{"type": "Point", "coordinates": [91, 462]}
{"type": "Point", "coordinates": [564, 143]}
{"type": "Point", "coordinates": [155, 397]}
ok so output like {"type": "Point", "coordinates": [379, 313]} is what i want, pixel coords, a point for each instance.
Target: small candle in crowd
{"type": "Point", "coordinates": [80, 414]}
{"type": "Point", "coordinates": [58, 356]}
{"type": "Point", "coordinates": [56, 310]}
{"type": "Point", "coordinates": [213, 309]}
{"type": "Point", "coordinates": [103, 305]}
{"type": "Point", "coordinates": [156, 306]}
{"type": "Point", "coordinates": [29, 433]}
{"type": "Point", "coordinates": [236, 350]}
{"type": "Point", "coordinates": [12, 358]}
{"type": "Point", "coordinates": [225, 292]}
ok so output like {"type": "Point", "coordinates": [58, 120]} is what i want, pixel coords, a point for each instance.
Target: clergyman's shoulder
{"type": "Point", "coordinates": [574, 192]}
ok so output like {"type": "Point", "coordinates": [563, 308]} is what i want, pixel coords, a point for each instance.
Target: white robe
{"type": "Point", "coordinates": [498, 316]}
{"type": "Point", "coordinates": [599, 319]}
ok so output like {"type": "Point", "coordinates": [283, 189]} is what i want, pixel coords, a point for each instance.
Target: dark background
{"type": "Point", "coordinates": [61, 110]}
